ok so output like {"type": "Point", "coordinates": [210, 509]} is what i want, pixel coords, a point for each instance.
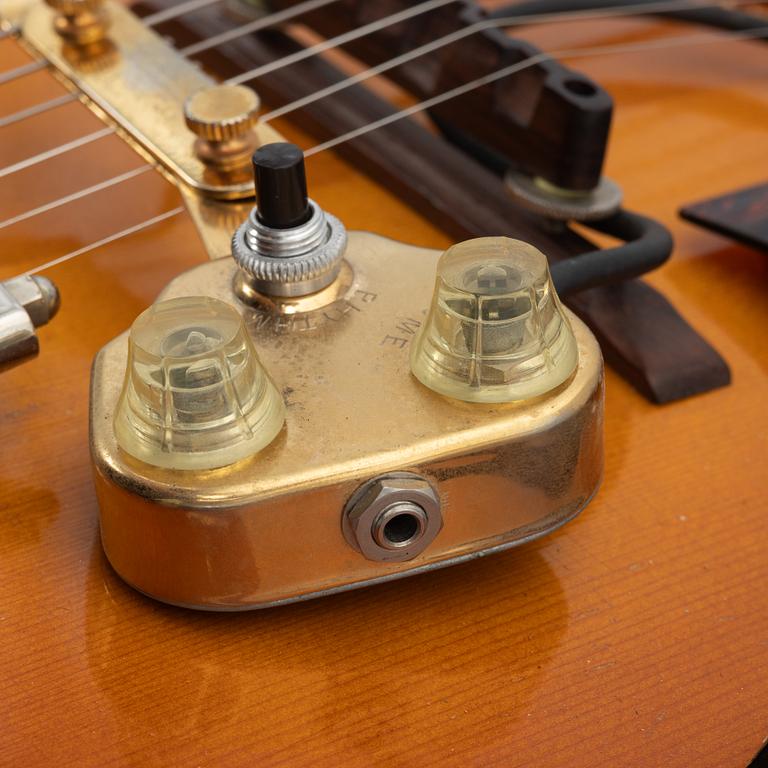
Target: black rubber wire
{"type": "Point", "coordinates": [647, 245]}
{"type": "Point", "coordinates": [721, 18]}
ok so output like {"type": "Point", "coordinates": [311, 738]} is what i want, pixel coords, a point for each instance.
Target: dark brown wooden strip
{"type": "Point", "coordinates": [548, 121]}
{"type": "Point", "coordinates": [742, 215]}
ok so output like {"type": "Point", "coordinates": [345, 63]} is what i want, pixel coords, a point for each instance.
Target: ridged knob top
{"type": "Point", "coordinates": [222, 112]}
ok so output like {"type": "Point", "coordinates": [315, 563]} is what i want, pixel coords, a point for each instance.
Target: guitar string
{"type": "Point", "coordinates": [278, 64]}
{"type": "Point", "coordinates": [100, 187]}
{"type": "Point", "coordinates": [22, 71]}
{"type": "Point", "coordinates": [150, 21]}
{"type": "Point", "coordinates": [670, 5]}
{"type": "Point", "coordinates": [193, 5]}
{"type": "Point", "coordinates": [99, 134]}
{"type": "Point", "coordinates": [485, 24]}
{"type": "Point", "coordinates": [339, 40]}
{"type": "Point", "coordinates": [44, 106]}
{"type": "Point", "coordinates": [56, 151]}
{"type": "Point", "coordinates": [270, 20]}
{"type": "Point", "coordinates": [153, 20]}
{"type": "Point", "coordinates": [106, 240]}
{"type": "Point", "coordinates": [677, 41]}
{"type": "Point", "coordinates": [276, 18]}
{"type": "Point", "coordinates": [664, 6]}
{"type": "Point", "coordinates": [265, 21]}
{"type": "Point", "coordinates": [254, 26]}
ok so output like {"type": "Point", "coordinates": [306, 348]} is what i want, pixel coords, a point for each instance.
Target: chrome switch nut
{"type": "Point", "coordinates": [393, 517]}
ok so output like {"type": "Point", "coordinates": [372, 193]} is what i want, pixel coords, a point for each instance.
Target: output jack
{"type": "Point", "coordinates": [400, 525]}
{"type": "Point", "coordinates": [392, 517]}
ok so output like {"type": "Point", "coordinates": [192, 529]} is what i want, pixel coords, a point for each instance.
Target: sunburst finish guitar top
{"type": "Point", "coordinates": [635, 636]}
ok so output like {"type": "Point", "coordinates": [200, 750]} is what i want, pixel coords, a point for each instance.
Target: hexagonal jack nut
{"type": "Point", "coordinates": [393, 517]}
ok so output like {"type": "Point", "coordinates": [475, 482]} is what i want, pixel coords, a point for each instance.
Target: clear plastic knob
{"type": "Point", "coordinates": [195, 394]}
{"type": "Point", "coordinates": [496, 331]}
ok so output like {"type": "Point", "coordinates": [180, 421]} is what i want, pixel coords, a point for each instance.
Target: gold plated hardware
{"type": "Point", "coordinates": [140, 59]}
{"type": "Point", "coordinates": [223, 118]}
{"type": "Point", "coordinates": [215, 220]}
{"type": "Point", "coordinates": [269, 529]}
{"type": "Point", "coordinates": [80, 22]}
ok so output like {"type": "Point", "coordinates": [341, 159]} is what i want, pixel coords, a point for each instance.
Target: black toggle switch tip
{"type": "Point", "coordinates": [281, 185]}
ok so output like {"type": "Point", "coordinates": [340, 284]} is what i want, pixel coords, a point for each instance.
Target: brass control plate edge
{"type": "Point", "coordinates": [268, 530]}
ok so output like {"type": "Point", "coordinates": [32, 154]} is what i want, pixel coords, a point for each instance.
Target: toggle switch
{"type": "Point", "coordinates": [195, 395]}
{"type": "Point", "coordinates": [281, 186]}
{"type": "Point", "coordinates": [289, 246]}
{"type": "Point", "coordinates": [496, 331]}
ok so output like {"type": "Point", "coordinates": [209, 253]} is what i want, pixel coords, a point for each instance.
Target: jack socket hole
{"type": "Point", "coordinates": [400, 525]}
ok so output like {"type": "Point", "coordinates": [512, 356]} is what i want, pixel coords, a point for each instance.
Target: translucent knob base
{"type": "Point", "coordinates": [496, 331]}
{"type": "Point", "coordinates": [195, 394]}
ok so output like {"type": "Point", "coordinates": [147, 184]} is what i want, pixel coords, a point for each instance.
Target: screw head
{"type": "Point", "coordinates": [82, 24]}
{"type": "Point", "coordinates": [222, 112]}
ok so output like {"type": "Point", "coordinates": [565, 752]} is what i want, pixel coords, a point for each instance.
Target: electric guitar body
{"type": "Point", "coordinates": [635, 636]}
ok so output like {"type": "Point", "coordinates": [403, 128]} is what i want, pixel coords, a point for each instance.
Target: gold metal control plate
{"type": "Point", "coordinates": [268, 529]}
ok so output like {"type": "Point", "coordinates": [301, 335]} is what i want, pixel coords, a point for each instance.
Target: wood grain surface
{"type": "Point", "coordinates": [635, 636]}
